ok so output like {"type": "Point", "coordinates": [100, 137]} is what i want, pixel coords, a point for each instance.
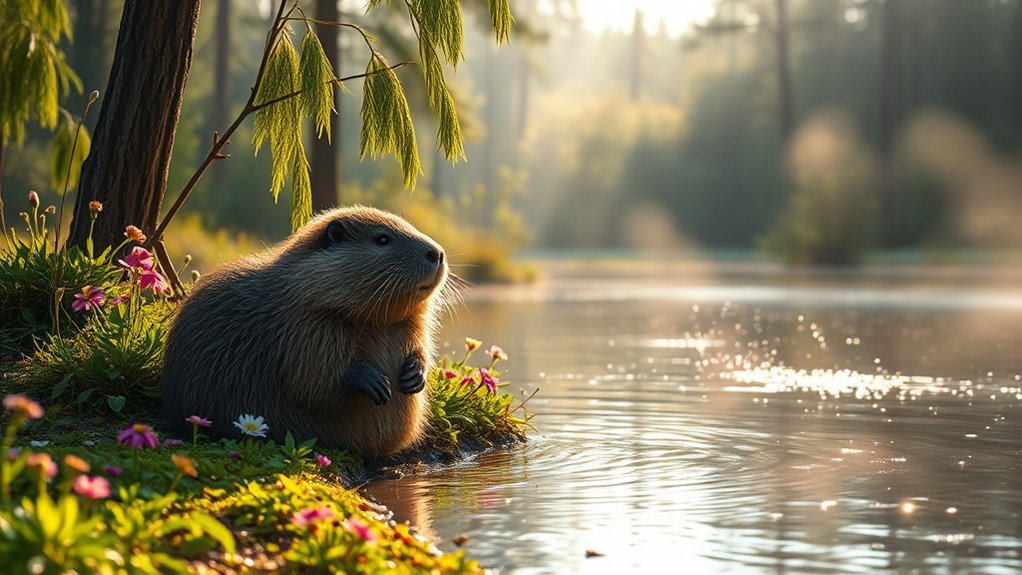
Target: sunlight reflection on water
{"type": "Point", "coordinates": [763, 434]}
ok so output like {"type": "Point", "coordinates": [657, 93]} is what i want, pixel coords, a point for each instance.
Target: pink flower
{"type": "Point", "coordinates": [323, 460]}
{"type": "Point", "coordinates": [92, 487]}
{"type": "Point", "coordinates": [362, 529]}
{"type": "Point", "coordinates": [467, 381]}
{"type": "Point", "coordinates": [450, 374]}
{"type": "Point", "coordinates": [33, 200]}
{"type": "Point", "coordinates": [173, 443]}
{"type": "Point", "coordinates": [488, 380]}
{"type": "Point", "coordinates": [311, 515]}
{"type": "Point", "coordinates": [89, 298]}
{"type": "Point", "coordinates": [151, 279]}
{"type": "Point", "coordinates": [138, 258]}
{"type": "Point", "coordinates": [196, 420]}
{"type": "Point", "coordinates": [13, 453]}
{"type": "Point", "coordinates": [113, 470]}
{"type": "Point", "coordinates": [234, 455]}
{"type": "Point", "coordinates": [118, 300]}
{"type": "Point", "coordinates": [496, 353]}
{"type": "Point", "coordinates": [22, 406]}
{"type": "Point", "coordinates": [138, 436]}
{"type": "Point", "coordinates": [46, 465]}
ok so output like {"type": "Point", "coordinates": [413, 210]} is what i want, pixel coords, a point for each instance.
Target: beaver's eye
{"type": "Point", "coordinates": [381, 239]}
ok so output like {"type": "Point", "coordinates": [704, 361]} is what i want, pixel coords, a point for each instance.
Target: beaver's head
{"type": "Point", "coordinates": [366, 264]}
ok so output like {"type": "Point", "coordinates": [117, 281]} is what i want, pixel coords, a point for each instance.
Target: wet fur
{"type": "Point", "coordinates": [274, 335]}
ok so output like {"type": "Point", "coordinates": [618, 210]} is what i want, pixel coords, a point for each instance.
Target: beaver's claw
{"type": "Point", "coordinates": [368, 380]}
{"type": "Point", "coordinates": [413, 375]}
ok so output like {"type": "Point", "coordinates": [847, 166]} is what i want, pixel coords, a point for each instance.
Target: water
{"type": "Point", "coordinates": [743, 424]}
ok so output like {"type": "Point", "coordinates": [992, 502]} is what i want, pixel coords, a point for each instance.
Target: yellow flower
{"type": "Point", "coordinates": [472, 344]}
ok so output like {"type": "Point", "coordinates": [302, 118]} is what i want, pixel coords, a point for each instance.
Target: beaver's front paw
{"type": "Point", "coordinates": [413, 375]}
{"type": "Point", "coordinates": [368, 380]}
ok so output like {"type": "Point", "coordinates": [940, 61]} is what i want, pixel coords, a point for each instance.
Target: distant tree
{"type": "Point", "coordinates": [222, 80]}
{"type": "Point", "coordinates": [773, 19]}
{"type": "Point", "coordinates": [782, 42]}
{"type": "Point", "coordinates": [888, 88]}
{"type": "Point", "coordinates": [326, 159]}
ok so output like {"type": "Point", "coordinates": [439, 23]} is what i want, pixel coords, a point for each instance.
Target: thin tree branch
{"type": "Point", "coordinates": [344, 79]}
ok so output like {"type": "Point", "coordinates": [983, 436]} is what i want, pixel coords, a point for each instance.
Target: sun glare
{"type": "Point", "coordinates": [676, 16]}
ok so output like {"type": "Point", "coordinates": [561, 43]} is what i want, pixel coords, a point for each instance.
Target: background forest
{"type": "Point", "coordinates": [811, 129]}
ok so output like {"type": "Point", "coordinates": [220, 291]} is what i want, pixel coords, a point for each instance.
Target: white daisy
{"type": "Point", "coordinates": [252, 425]}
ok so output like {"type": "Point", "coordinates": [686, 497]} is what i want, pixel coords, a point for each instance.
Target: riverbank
{"type": "Point", "coordinates": [82, 498]}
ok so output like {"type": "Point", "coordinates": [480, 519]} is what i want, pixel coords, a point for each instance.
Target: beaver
{"type": "Point", "coordinates": [327, 335]}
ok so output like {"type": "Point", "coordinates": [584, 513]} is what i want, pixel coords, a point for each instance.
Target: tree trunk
{"type": "Point", "coordinates": [326, 152]}
{"type": "Point", "coordinates": [888, 116]}
{"type": "Point", "coordinates": [222, 83]}
{"type": "Point", "coordinates": [635, 81]}
{"type": "Point", "coordinates": [131, 148]}
{"type": "Point", "coordinates": [786, 118]}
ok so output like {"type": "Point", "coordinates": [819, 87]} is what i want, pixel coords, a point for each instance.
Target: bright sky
{"type": "Point", "coordinates": [677, 15]}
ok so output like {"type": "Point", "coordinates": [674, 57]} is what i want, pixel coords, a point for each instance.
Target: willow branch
{"type": "Point", "coordinates": [334, 80]}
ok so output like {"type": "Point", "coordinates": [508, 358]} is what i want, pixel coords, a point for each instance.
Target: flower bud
{"type": "Point", "coordinates": [93, 96]}
{"type": "Point", "coordinates": [195, 275]}
{"type": "Point", "coordinates": [95, 207]}
{"type": "Point", "coordinates": [134, 234]}
{"type": "Point", "coordinates": [33, 200]}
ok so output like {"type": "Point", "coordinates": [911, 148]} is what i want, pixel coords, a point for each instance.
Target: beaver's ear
{"type": "Point", "coordinates": [336, 233]}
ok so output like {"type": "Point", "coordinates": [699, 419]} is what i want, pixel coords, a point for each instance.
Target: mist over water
{"type": "Point", "coordinates": [727, 426]}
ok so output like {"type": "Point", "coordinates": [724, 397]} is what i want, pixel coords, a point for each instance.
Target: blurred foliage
{"type": "Point", "coordinates": [619, 127]}
{"type": "Point", "coordinates": [479, 228]}
{"type": "Point", "coordinates": [34, 76]}
{"type": "Point", "coordinates": [205, 247]}
{"type": "Point", "coordinates": [831, 218]}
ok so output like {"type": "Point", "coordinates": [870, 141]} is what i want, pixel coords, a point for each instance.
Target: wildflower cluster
{"type": "Point", "coordinates": [104, 350]}
{"type": "Point", "coordinates": [466, 400]}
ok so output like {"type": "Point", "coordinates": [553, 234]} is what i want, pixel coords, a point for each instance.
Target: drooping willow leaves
{"type": "Point", "coordinates": [297, 85]}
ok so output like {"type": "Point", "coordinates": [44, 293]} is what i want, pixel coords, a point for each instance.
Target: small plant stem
{"type": "Point", "coordinates": [67, 178]}
{"type": "Point", "coordinates": [195, 434]}
{"type": "Point", "coordinates": [175, 482]}
{"type": "Point", "coordinates": [3, 219]}
{"type": "Point", "coordinates": [168, 269]}
{"type": "Point", "coordinates": [5, 463]}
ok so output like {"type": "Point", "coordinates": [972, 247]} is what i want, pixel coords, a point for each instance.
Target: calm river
{"type": "Point", "coordinates": [708, 421]}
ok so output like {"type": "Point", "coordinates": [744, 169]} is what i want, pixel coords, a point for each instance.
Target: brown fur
{"type": "Point", "coordinates": [273, 334]}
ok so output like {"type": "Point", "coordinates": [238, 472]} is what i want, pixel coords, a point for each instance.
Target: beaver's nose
{"type": "Point", "coordinates": [435, 255]}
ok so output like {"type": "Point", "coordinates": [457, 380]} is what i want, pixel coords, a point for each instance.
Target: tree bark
{"type": "Point", "coordinates": [222, 82]}
{"type": "Point", "coordinates": [131, 148]}
{"type": "Point", "coordinates": [326, 153]}
{"type": "Point", "coordinates": [786, 118]}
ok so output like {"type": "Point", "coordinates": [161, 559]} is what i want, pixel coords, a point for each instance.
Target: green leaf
{"type": "Point", "coordinates": [501, 18]}
{"type": "Point", "coordinates": [387, 120]}
{"type": "Point", "coordinates": [62, 158]}
{"type": "Point", "coordinates": [317, 97]}
{"type": "Point", "coordinates": [116, 402]}
{"type": "Point", "coordinates": [280, 122]}
{"type": "Point", "coordinates": [301, 191]}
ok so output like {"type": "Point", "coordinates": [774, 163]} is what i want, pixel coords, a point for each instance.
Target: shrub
{"type": "Point", "coordinates": [831, 217]}
{"type": "Point", "coordinates": [38, 283]}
